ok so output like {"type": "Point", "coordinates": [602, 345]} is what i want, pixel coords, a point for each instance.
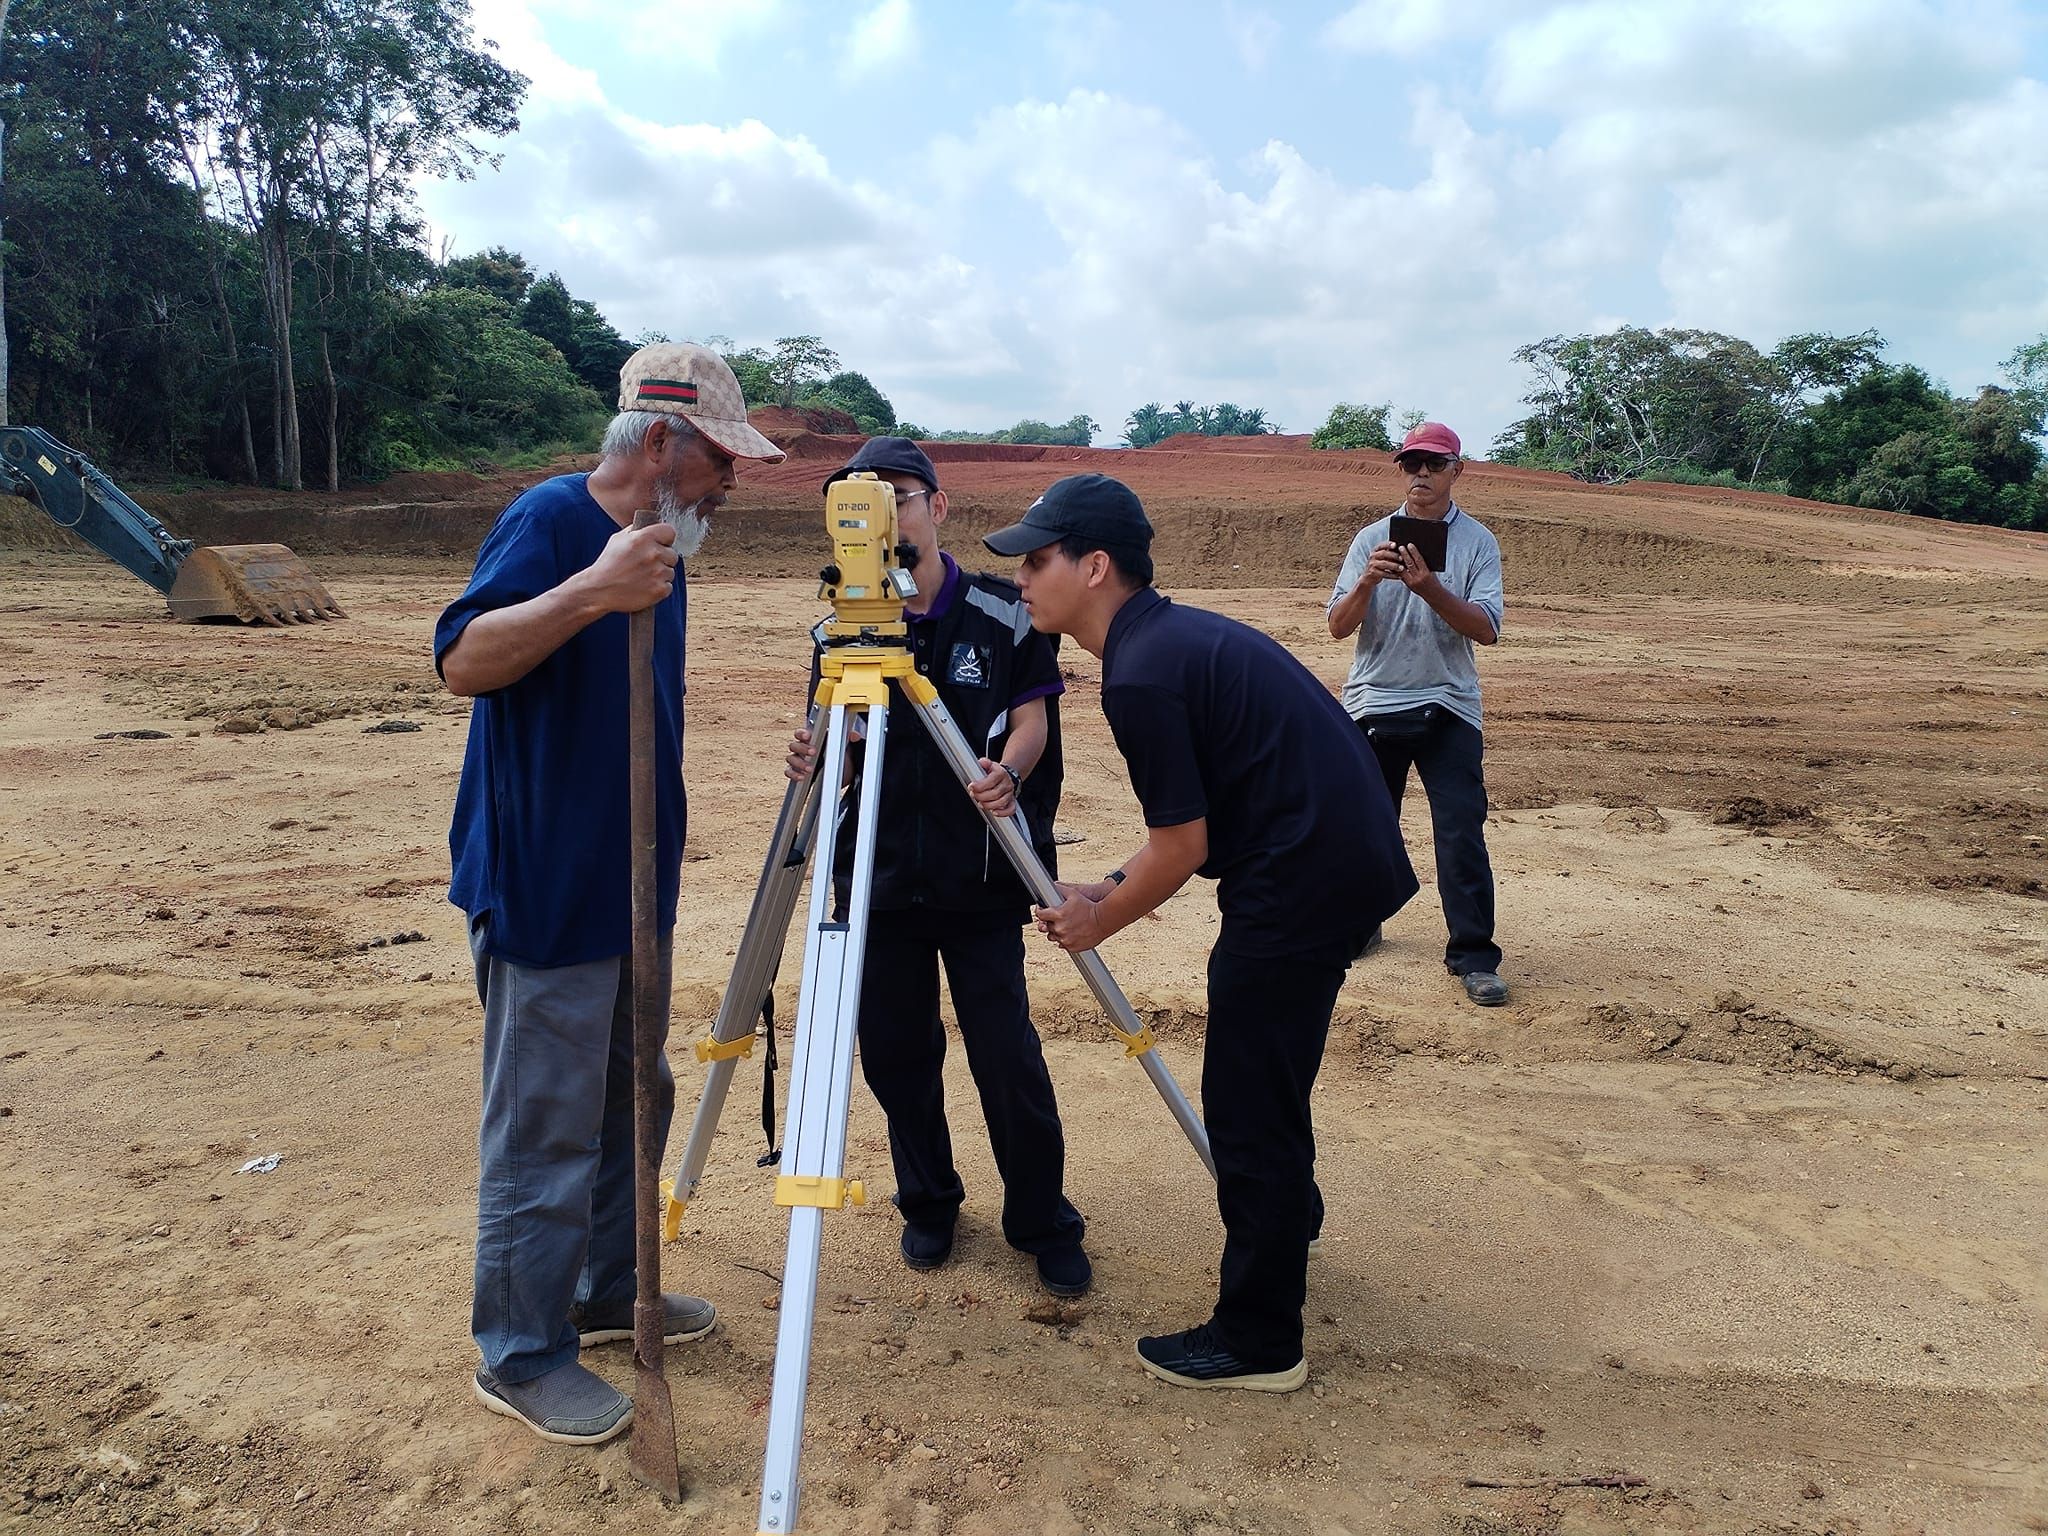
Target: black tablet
{"type": "Point", "coordinates": [1430, 536]}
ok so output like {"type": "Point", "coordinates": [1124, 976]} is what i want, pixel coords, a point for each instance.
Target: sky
{"type": "Point", "coordinates": [1007, 208]}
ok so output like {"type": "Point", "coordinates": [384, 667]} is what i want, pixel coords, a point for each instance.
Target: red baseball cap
{"type": "Point", "coordinates": [1432, 437]}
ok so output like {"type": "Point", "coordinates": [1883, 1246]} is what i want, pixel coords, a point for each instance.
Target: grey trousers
{"type": "Point", "coordinates": [554, 1222]}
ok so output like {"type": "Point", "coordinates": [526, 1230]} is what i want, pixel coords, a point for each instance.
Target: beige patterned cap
{"type": "Point", "coordinates": [694, 383]}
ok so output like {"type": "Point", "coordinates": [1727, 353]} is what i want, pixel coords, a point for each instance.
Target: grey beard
{"type": "Point", "coordinates": [691, 527]}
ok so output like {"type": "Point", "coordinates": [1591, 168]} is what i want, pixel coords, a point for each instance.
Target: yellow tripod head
{"type": "Point", "coordinates": [870, 573]}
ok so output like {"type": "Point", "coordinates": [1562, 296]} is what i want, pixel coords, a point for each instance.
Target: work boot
{"type": "Point", "coordinates": [683, 1317]}
{"type": "Point", "coordinates": [1197, 1358]}
{"type": "Point", "coordinates": [1485, 988]}
{"type": "Point", "coordinates": [569, 1405]}
{"type": "Point", "coordinates": [1066, 1271]}
{"type": "Point", "coordinates": [927, 1245]}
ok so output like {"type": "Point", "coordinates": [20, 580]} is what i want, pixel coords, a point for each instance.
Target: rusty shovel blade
{"type": "Point", "coordinates": [652, 1450]}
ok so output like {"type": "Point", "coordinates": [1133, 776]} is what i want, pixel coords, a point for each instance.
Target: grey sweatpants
{"type": "Point", "coordinates": [555, 1201]}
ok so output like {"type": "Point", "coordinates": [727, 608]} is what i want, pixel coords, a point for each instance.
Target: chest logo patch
{"type": "Point", "coordinates": [968, 666]}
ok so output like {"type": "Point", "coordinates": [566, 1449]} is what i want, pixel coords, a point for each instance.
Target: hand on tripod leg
{"type": "Point", "coordinates": [996, 790]}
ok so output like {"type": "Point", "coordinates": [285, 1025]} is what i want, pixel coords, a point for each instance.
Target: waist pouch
{"type": "Point", "coordinates": [1405, 727]}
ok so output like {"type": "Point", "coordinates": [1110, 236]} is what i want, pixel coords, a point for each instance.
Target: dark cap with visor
{"type": "Point", "coordinates": [888, 456]}
{"type": "Point", "coordinates": [1093, 507]}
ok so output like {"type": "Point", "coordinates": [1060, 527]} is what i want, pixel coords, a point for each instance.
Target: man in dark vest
{"type": "Point", "coordinates": [944, 892]}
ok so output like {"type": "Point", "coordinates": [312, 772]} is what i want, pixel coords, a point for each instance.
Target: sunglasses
{"type": "Point", "coordinates": [1435, 463]}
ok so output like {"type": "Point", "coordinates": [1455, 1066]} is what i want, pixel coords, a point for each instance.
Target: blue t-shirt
{"type": "Point", "coordinates": [540, 839]}
{"type": "Point", "coordinates": [1217, 720]}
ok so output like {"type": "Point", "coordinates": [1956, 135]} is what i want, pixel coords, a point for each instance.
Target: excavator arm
{"type": "Point", "coordinates": [255, 583]}
{"type": "Point", "coordinates": [63, 482]}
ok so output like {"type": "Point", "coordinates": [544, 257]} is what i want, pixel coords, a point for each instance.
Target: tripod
{"type": "Point", "coordinates": [863, 654]}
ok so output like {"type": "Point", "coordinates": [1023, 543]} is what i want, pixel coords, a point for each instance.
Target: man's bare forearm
{"type": "Point", "coordinates": [1352, 611]}
{"type": "Point", "coordinates": [1029, 732]}
{"type": "Point", "coordinates": [1463, 615]}
{"type": "Point", "coordinates": [1167, 862]}
{"type": "Point", "coordinates": [498, 648]}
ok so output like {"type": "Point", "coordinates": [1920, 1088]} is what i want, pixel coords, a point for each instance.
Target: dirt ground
{"type": "Point", "coordinates": [1741, 1200]}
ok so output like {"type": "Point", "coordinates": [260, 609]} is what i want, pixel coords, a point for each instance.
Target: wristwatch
{"type": "Point", "coordinates": [1016, 778]}
{"type": "Point", "coordinates": [1116, 877]}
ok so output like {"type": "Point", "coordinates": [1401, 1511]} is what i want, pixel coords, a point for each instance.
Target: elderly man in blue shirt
{"type": "Point", "coordinates": [542, 866]}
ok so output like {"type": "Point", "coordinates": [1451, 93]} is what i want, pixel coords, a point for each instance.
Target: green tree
{"type": "Point", "coordinates": [488, 384]}
{"type": "Point", "coordinates": [1830, 445]}
{"type": "Point", "coordinates": [2027, 372]}
{"type": "Point", "coordinates": [1354, 426]}
{"type": "Point", "coordinates": [501, 273]}
{"type": "Point", "coordinates": [798, 365]}
{"type": "Point", "coordinates": [1618, 406]}
{"type": "Point", "coordinates": [855, 395]}
{"type": "Point", "coordinates": [1074, 432]}
{"type": "Point", "coordinates": [756, 373]}
{"type": "Point", "coordinates": [1149, 424]}
{"type": "Point", "coordinates": [1145, 426]}
{"type": "Point", "coordinates": [1799, 369]}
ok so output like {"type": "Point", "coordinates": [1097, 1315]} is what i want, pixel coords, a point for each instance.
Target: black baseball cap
{"type": "Point", "coordinates": [888, 456]}
{"type": "Point", "coordinates": [1093, 507]}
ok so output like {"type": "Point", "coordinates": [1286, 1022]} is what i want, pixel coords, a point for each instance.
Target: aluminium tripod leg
{"type": "Point", "coordinates": [753, 974]}
{"type": "Point", "coordinates": [820, 1090]}
{"type": "Point", "coordinates": [1011, 832]}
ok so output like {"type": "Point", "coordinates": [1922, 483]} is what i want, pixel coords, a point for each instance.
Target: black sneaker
{"type": "Point", "coordinates": [1197, 1358]}
{"type": "Point", "coordinates": [926, 1245]}
{"type": "Point", "coordinates": [1066, 1271]}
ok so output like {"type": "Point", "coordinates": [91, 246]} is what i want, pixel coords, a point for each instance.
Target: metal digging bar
{"type": "Point", "coordinates": [653, 1449]}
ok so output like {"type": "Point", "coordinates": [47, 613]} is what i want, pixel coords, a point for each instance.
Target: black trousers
{"type": "Point", "coordinates": [1447, 753]}
{"type": "Point", "coordinates": [1268, 1020]}
{"type": "Point", "coordinates": [903, 1057]}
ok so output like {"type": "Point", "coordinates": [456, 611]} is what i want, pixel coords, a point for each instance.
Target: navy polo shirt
{"type": "Point", "coordinates": [540, 839]}
{"type": "Point", "coordinates": [1216, 720]}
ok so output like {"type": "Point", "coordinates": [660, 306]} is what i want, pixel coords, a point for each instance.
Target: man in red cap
{"type": "Point", "coordinates": [1414, 684]}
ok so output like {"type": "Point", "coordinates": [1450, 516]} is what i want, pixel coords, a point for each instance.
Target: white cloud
{"type": "Point", "coordinates": [693, 33]}
{"type": "Point", "coordinates": [883, 36]}
{"type": "Point", "coordinates": [1078, 37]}
{"type": "Point", "coordinates": [1252, 33]}
{"type": "Point", "coordinates": [1406, 29]}
{"type": "Point", "coordinates": [1753, 168]}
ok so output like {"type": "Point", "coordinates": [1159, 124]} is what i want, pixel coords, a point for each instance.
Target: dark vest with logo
{"type": "Point", "coordinates": [932, 848]}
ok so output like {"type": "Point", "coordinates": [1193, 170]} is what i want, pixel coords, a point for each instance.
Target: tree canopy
{"type": "Point", "coordinates": [1150, 424]}
{"type": "Point", "coordinates": [1818, 415]}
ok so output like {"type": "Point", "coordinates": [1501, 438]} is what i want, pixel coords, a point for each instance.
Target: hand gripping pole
{"type": "Point", "coordinates": [1014, 836]}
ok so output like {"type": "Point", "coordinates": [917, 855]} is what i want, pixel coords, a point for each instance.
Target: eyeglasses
{"type": "Point", "coordinates": [1435, 463]}
{"type": "Point", "coordinates": [903, 496]}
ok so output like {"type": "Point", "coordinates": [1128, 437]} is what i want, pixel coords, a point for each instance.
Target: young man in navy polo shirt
{"type": "Point", "coordinates": [542, 865]}
{"type": "Point", "coordinates": [1249, 774]}
{"type": "Point", "coordinates": [944, 891]}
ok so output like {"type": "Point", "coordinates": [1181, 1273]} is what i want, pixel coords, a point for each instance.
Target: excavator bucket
{"type": "Point", "coordinates": [255, 583]}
